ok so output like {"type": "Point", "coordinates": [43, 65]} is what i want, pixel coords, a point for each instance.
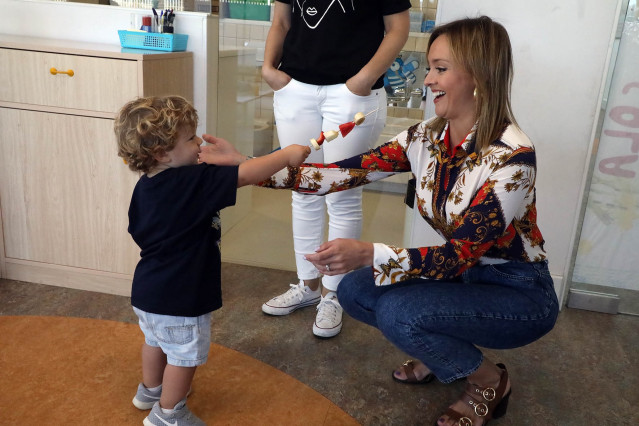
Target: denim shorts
{"type": "Point", "coordinates": [185, 340]}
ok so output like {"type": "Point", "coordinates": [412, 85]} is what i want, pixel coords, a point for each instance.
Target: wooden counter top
{"type": "Point", "coordinates": [88, 49]}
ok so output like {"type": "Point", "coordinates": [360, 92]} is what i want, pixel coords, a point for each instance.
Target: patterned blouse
{"type": "Point", "coordinates": [483, 206]}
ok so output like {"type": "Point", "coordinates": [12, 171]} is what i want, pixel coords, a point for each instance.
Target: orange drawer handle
{"type": "Point", "coordinates": [54, 71]}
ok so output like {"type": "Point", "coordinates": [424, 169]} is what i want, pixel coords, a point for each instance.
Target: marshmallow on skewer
{"type": "Point", "coordinates": [330, 135]}
{"type": "Point", "coordinates": [317, 143]}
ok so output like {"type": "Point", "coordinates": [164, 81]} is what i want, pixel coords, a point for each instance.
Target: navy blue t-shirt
{"type": "Point", "coordinates": [174, 219]}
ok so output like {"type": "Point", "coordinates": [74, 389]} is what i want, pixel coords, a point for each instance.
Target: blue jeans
{"type": "Point", "coordinates": [441, 323]}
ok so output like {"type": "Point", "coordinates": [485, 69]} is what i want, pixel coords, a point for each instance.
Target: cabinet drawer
{"type": "Point", "coordinates": [97, 84]}
{"type": "Point", "coordinates": [64, 202]}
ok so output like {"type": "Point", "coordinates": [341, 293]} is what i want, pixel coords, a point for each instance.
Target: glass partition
{"type": "Point", "coordinates": [257, 231]}
{"type": "Point", "coordinates": [604, 276]}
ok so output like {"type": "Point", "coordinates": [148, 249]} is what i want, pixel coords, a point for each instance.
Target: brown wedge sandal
{"type": "Point", "coordinates": [409, 370]}
{"type": "Point", "coordinates": [488, 403]}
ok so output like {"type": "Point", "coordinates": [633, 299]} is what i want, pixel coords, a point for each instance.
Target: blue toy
{"type": "Point", "coordinates": [400, 74]}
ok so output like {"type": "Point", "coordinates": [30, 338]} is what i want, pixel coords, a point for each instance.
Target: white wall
{"type": "Point", "coordinates": [100, 24]}
{"type": "Point", "coordinates": [561, 52]}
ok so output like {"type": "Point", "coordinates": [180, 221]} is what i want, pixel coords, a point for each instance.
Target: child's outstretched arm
{"type": "Point", "coordinates": [258, 169]}
{"type": "Point", "coordinates": [255, 170]}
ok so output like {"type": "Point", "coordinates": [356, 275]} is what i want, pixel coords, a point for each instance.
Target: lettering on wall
{"type": "Point", "coordinates": [607, 250]}
{"type": "Point", "coordinates": [628, 116]}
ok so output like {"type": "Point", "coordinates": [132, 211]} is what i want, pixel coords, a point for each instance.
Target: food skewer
{"type": "Point", "coordinates": [344, 129]}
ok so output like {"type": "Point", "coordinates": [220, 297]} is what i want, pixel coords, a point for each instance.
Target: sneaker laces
{"type": "Point", "coordinates": [328, 309]}
{"type": "Point", "coordinates": [293, 294]}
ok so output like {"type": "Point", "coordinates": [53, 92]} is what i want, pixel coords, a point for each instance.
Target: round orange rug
{"type": "Point", "coordinates": [76, 371]}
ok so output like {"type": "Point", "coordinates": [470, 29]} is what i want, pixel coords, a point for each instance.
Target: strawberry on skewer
{"type": "Point", "coordinates": [346, 128]}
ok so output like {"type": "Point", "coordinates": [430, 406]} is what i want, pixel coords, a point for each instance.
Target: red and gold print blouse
{"type": "Point", "coordinates": [483, 206]}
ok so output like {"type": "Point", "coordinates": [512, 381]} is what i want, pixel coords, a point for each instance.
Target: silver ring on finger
{"type": "Point", "coordinates": [328, 268]}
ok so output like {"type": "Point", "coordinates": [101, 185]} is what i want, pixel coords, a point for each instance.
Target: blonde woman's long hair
{"type": "Point", "coordinates": [482, 47]}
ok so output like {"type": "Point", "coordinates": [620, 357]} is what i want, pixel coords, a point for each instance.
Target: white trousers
{"type": "Point", "coordinates": [302, 111]}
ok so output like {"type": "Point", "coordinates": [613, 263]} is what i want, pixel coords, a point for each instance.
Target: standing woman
{"type": "Point", "coordinates": [325, 60]}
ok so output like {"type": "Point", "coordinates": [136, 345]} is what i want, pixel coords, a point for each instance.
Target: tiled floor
{"type": "Point", "coordinates": [585, 372]}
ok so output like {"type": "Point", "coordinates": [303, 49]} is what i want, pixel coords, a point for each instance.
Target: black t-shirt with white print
{"type": "Point", "coordinates": [331, 40]}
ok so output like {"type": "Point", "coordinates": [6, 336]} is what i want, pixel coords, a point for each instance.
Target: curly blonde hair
{"type": "Point", "coordinates": [148, 127]}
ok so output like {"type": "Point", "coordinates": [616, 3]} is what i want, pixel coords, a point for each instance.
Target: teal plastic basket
{"type": "Point", "coordinates": [153, 41]}
{"type": "Point", "coordinates": [255, 10]}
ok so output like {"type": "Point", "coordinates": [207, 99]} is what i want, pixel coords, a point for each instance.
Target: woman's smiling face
{"type": "Point", "coordinates": [451, 85]}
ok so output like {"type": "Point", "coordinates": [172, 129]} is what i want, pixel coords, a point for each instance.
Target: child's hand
{"type": "Point", "coordinates": [220, 152]}
{"type": "Point", "coordinates": [296, 154]}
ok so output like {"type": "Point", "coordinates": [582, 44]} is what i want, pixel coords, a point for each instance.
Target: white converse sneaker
{"type": "Point", "coordinates": [298, 296]}
{"type": "Point", "coordinates": [328, 322]}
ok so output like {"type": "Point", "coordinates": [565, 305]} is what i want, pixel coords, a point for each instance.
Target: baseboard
{"type": "Point", "coordinates": [593, 301]}
{"type": "Point", "coordinates": [70, 277]}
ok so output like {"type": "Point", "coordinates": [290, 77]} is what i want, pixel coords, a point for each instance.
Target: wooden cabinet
{"type": "Point", "coordinates": [64, 192]}
{"type": "Point", "coordinates": [97, 84]}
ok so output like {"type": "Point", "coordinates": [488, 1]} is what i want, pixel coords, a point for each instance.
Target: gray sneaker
{"type": "Point", "coordinates": [144, 398]}
{"type": "Point", "coordinates": [328, 321]}
{"type": "Point", "coordinates": [182, 416]}
{"type": "Point", "coordinates": [298, 296]}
